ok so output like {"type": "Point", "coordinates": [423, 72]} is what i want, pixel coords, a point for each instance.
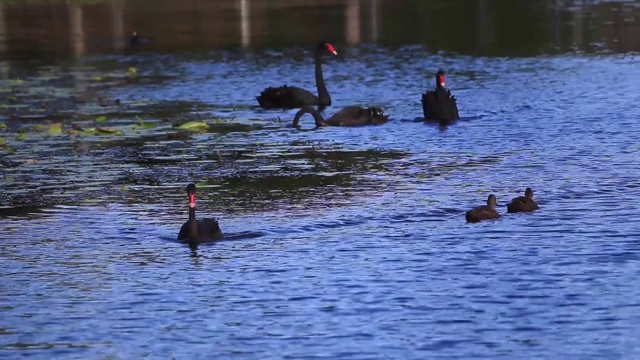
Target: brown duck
{"type": "Point", "coordinates": [523, 203]}
{"type": "Point", "coordinates": [484, 212]}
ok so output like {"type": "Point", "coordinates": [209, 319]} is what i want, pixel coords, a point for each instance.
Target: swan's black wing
{"type": "Point", "coordinates": [286, 97]}
{"type": "Point", "coordinates": [349, 115]}
{"type": "Point", "coordinates": [440, 105]}
{"type": "Point", "coordinates": [209, 230]}
{"type": "Point", "coordinates": [184, 233]}
{"type": "Point", "coordinates": [355, 116]}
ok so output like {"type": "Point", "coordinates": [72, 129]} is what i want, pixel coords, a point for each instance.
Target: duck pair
{"type": "Point", "coordinates": [519, 204]}
{"type": "Point", "coordinates": [437, 105]}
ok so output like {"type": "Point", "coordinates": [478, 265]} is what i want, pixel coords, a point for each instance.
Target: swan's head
{"type": "Point", "coordinates": [440, 81]}
{"type": "Point", "coordinates": [492, 201]}
{"type": "Point", "coordinates": [528, 194]}
{"type": "Point", "coordinates": [191, 191]}
{"type": "Point", "coordinates": [325, 46]}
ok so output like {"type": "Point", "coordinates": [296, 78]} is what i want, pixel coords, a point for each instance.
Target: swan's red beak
{"type": "Point", "coordinates": [441, 81]}
{"type": "Point", "coordinates": [192, 200]}
{"type": "Point", "coordinates": [331, 49]}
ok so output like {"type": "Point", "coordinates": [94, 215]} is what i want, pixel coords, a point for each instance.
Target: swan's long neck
{"type": "Point", "coordinates": [323, 94]}
{"type": "Point", "coordinates": [193, 223]}
{"type": "Point", "coordinates": [309, 110]}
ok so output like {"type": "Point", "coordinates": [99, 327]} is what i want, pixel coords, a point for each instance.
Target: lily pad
{"type": "Point", "coordinates": [55, 129]}
{"type": "Point", "coordinates": [104, 130]}
{"type": "Point", "coordinates": [86, 131]}
{"type": "Point", "coordinates": [101, 118]}
{"type": "Point", "coordinates": [195, 126]}
{"type": "Point", "coordinates": [7, 149]}
{"type": "Point", "coordinates": [49, 129]}
{"type": "Point", "coordinates": [144, 125]}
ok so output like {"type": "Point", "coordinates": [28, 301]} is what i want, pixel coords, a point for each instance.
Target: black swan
{"type": "Point", "coordinates": [439, 104]}
{"type": "Point", "coordinates": [349, 116]}
{"type": "Point", "coordinates": [291, 97]}
{"type": "Point", "coordinates": [198, 231]}
{"type": "Point", "coordinates": [523, 203]}
{"type": "Point", "coordinates": [484, 212]}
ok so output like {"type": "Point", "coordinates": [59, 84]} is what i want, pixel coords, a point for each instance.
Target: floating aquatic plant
{"type": "Point", "coordinates": [195, 126]}
{"type": "Point", "coordinates": [95, 130]}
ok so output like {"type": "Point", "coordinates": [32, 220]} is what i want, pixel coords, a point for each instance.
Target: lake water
{"type": "Point", "coordinates": [343, 243]}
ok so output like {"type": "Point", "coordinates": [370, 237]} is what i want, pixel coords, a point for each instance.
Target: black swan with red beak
{"type": "Point", "coordinates": [439, 104]}
{"type": "Point", "coordinates": [348, 116]}
{"type": "Point", "coordinates": [198, 231]}
{"type": "Point", "coordinates": [292, 97]}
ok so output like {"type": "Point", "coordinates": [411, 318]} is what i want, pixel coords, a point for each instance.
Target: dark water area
{"type": "Point", "coordinates": [341, 243]}
{"type": "Point", "coordinates": [476, 27]}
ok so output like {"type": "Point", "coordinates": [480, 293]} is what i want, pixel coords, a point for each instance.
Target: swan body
{"type": "Point", "coordinates": [348, 116]}
{"type": "Point", "coordinates": [292, 97]}
{"type": "Point", "coordinates": [209, 228]}
{"type": "Point", "coordinates": [484, 212]}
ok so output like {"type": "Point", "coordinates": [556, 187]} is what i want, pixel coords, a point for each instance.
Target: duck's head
{"type": "Point", "coordinates": [492, 201]}
{"type": "Point", "coordinates": [528, 193]}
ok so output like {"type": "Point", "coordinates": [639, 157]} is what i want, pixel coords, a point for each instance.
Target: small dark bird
{"type": "Point", "coordinates": [198, 231]}
{"type": "Point", "coordinates": [484, 212]}
{"type": "Point", "coordinates": [439, 104]}
{"type": "Point", "coordinates": [523, 203]}
{"type": "Point", "coordinates": [134, 40]}
{"type": "Point", "coordinates": [348, 116]}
